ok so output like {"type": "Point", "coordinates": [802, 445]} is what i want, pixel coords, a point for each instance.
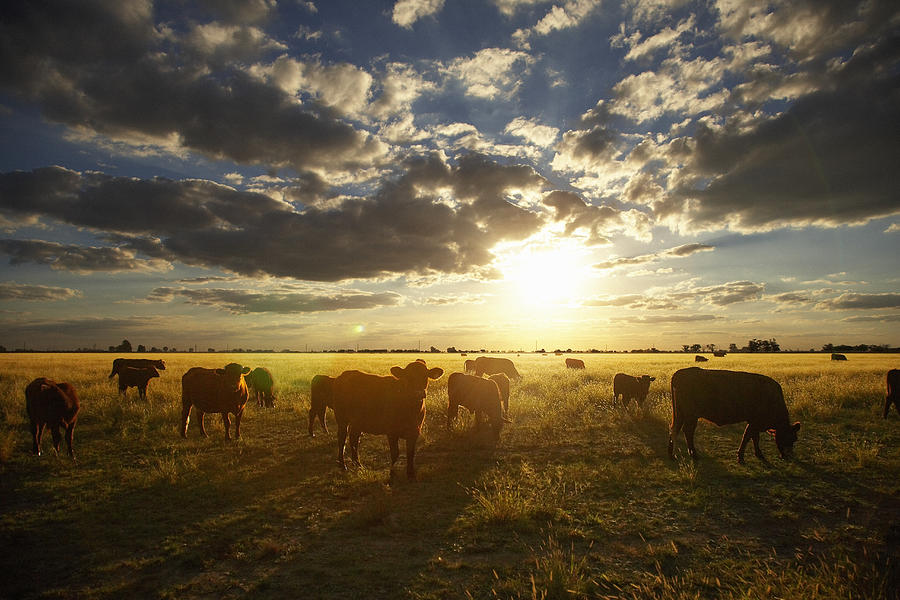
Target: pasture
{"type": "Point", "coordinates": [577, 500]}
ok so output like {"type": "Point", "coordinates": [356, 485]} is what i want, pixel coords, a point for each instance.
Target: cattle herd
{"type": "Point", "coordinates": [394, 405]}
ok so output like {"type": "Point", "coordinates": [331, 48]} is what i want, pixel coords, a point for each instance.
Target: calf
{"type": "Point", "coordinates": [574, 363]}
{"type": "Point", "coordinates": [838, 357]}
{"type": "Point", "coordinates": [725, 397]}
{"type": "Point", "coordinates": [136, 362]}
{"type": "Point", "coordinates": [481, 396]}
{"type": "Point", "coordinates": [393, 406]}
{"type": "Point", "coordinates": [631, 387]}
{"type": "Point", "coordinates": [699, 358]}
{"type": "Point", "coordinates": [214, 390]}
{"type": "Point", "coordinates": [261, 386]}
{"type": "Point", "coordinates": [490, 365]}
{"type": "Point", "coordinates": [893, 391]}
{"type": "Point", "coordinates": [138, 377]}
{"type": "Point", "coordinates": [53, 405]}
{"type": "Point", "coordinates": [321, 391]}
{"type": "Point", "coordinates": [502, 382]}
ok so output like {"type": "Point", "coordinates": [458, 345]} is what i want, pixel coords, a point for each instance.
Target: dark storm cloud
{"type": "Point", "coordinates": [403, 228]}
{"type": "Point", "coordinates": [78, 259]}
{"type": "Point", "coordinates": [857, 301]}
{"type": "Point", "coordinates": [279, 302]}
{"type": "Point", "coordinates": [828, 160]}
{"type": "Point", "coordinates": [10, 290]}
{"type": "Point", "coordinates": [108, 67]}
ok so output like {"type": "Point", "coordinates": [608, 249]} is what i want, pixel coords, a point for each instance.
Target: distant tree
{"type": "Point", "coordinates": [141, 348]}
{"type": "Point", "coordinates": [710, 347]}
{"type": "Point", "coordinates": [125, 346]}
{"type": "Point", "coordinates": [696, 347]}
{"type": "Point", "coordinates": [732, 347]}
{"type": "Point", "coordinates": [112, 348]}
{"type": "Point", "coordinates": [2, 348]}
{"type": "Point", "coordinates": [685, 347]}
{"type": "Point", "coordinates": [452, 350]}
{"type": "Point", "coordinates": [210, 350]}
{"type": "Point", "coordinates": [434, 350]}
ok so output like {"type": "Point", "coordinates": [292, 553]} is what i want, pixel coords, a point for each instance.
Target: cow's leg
{"type": "Point", "coordinates": [237, 423]}
{"type": "Point", "coordinates": [677, 424]}
{"type": "Point", "coordinates": [394, 443]}
{"type": "Point", "coordinates": [226, 421]}
{"type": "Point", "coordinates": [411, 457]}
{"type": "Point", "coordinates": [342, 438]}
{"type": "Point", "coordinates": [354, 445]}
{"type": "Point", "coordinates": [185, 417]}
{"type": "Point", "coordinates": [689, 426]}
{"type": "Point", "coordinates": [452, 412]}
{"type": "Point", "coordinates": [123, 391]}
{"type": "Point", "coordinates": [36, 438]}
{"type": "Point", "coordinates": [749, 433]}
{"type": "Point", "coordinates": [70, 431]}
{"type": "Point", "coordinates": [57, 437]}
{"type": "Point", "coordinates": [312, 420]}
{"type": "Point", "coordinates": [200, 415]}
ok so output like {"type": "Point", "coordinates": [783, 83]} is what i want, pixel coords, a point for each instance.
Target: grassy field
{"type": "Point", "coordinates": [578, 499]}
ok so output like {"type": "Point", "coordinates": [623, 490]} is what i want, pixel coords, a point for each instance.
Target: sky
{"type": "Point", "coordinates": [498, 174]}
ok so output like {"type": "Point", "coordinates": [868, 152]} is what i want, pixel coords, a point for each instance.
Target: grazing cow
{"type": "Point", "coordinates": [725, 397]}
{"type": "Point", "coordinates": [719, 353]}
{"type": "Point", "coordinates": [137, 377]}
{"type": "Point", "coordinates": [217, 391]}
{"type": "Point", "coordinates": [136, 362]}
{"type": "Point", "coordinates": [631, 387]}
{"type": "Point", "coordinates": [321, 389]}
{"type": "Point", "coordinates": [481, 396]}
{"type": "Point", "coordinates": [699, 358]}
{"type": "Point", "coordinates": [893, 391]}
{"type": "Point", "coordinates": [490, 365]}
{"type": "Point", "coordinates": [574, 363]}
{"type": "Point", "coordinates": [838, 357]}
{"type": "Point", "coordinates": [469, 366]}
{"type": "Point", "coordinates": [393, 406]}
{"type": "Point", "coordinates": [502, 382]}
{"type": "Point", "coordinates": [53, 405]}
{"type": "Point", "coordinates": [261, 386]}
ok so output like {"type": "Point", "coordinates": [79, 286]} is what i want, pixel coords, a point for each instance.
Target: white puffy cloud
{"type": "Point", "coordinates": [532, 131]}
{"type": "Point", "coordinates": [491, 71]}
{"type": "Point", "coordinates": [407, 12]}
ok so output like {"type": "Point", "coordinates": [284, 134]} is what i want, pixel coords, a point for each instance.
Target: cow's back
{"type": "Point", "coordinates": [201, 387]}
{"type": "Point", "coordinates": [488, 365]}
{"type": "Point", "coordinates": [725, 397]}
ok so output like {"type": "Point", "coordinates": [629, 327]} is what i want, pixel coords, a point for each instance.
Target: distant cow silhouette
{"type": "Point", "coordinates": [838, 357]}
{"type": "Point", "coordinates": [53, 405]}
{"type": "Point", "coordinates": [725, 397]}
{"type": "Point", "coordinates": [261, 386]}
{"type": "Point", "coordinates": [574, 363]}
{"type": "Point", "coordinates": [893, 391]}
{"type": "Point", "coordinates": [488, 365]}
{"type": "Point", "coordinates": [699, 358]}
{"type": "Point", "coordinates": [137, 363]}
{"type": "Point", "coordinates": [138, 377]}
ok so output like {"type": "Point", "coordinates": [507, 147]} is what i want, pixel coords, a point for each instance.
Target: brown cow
{"type": "Point", "coordinates": [574, 363]}
{"type": "Point", "coordinates": [481, 396]}
{"type": "Point", "coordinates": [214, 390]}
{"type": "Point", "coordinates": [138, 377]}
{"type": "Point", "coordinates": [261, 386]}
{"type": "Point", "coordinates": [321, 390]}
{"type": "Point", "coordinates": [838, 357]}
{"type": "Point", "coordinates": [893, 391]}
{"type": "Point", "coordinates": [699, 358]}
{"type": "Point", "coordinates": [393, 406]}
{"type": "Point", "coordinates": [490, 365]}
{"type": "Point", "coordinates": [53, 405]}
{"type": "Point", "coordinates": [469, 366]}
{"type": "Point", "coordinates": [725, 397]}
{"type": "Point", "coordinates": [138, 363]}
{"type": "Point", "coordinates": [631, 387]}
{"type": "Point", "coordinates": [502, 382]}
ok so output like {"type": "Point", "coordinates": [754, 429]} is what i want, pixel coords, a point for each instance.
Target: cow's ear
{"type": "Point", "coordinates": [770, 431]}
{"type": "Point", "coordinates": [653, 379]}
{"type": "Point", "coordinates": [435, 373]}
{"type": "Point", "coordinates": [397, 372]}
{"type": "Point", "coordinates": [246, 370]}
{"type": "Point", "coordinates": [45, 387]}
{"type": "Point", "coordinates": [796, 426]}
{"type": "Point", "coordinates": [220, 371]}
{"type": "Point", "coordinates": [420, 360]}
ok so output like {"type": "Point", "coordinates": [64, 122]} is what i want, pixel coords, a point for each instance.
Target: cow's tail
{"type": "Point", "coordinates": [115, 370]}
{"type": "Point", "coordinates": [672, 393]}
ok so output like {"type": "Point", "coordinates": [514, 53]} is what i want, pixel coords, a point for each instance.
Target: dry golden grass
{"type": "Point", "coordinates": [578, 500]}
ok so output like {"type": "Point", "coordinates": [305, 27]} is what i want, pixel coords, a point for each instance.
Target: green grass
{"type": "Point", "coordinates": [578, 499]}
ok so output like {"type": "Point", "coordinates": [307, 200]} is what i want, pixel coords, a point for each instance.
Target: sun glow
{"type": "Point", "coordinates": [540, 276]}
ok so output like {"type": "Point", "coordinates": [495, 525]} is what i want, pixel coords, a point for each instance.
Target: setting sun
{"type": "Point", "coordinates": [541, 276]}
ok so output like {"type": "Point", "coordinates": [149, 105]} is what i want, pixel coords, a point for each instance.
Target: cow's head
{"type": "Point", "coordinates": [785, 438]}
{"type": "Point", "coordinates": [233, 373]}
{"type": "Point", "coordinates": [414, 377]}
{"type": "Point", "coordinates": [160, 364]}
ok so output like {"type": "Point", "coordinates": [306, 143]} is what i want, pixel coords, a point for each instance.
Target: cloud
{"type": "Point", "coordinates": [561, 16]}
{"type": "Point", "coordinates": [676, 252]}
{"type": "Point", "coordinates": [240, 301]}
{"type": "Point", "coordinates": [407, 12]}
{"type": "Point", "coordinates": [893, 228]}
{"type": "Point", "coordinates": [532, 131]}
{"type": "Point", "coordinates": [79, 259]}
{"type": "Point", "coordinates": [873, 319]}
{"type": "Point", "coordinates": [491, 71]}
{"type": "Point", "coordinates": [859, 301]}
{"type": "Point", "coordinates": [598, 221]}
{"type": "Point", "coordinates": [434, 218]}
{"type": "Point", "coordinates": [663, 39]}
{"type": "Point", "coordinates": [790, 298]}
{"type": "Point", "coordinates": [662, 319]}
{"type": "Point", "coordinates": [342, 86]}
{"type": "Point", "coordinates": [10, 290]}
